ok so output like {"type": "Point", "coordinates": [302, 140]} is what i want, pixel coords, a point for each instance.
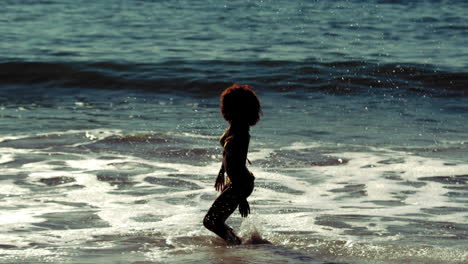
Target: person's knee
{"type": "Point", "coordinates": [209, 223]}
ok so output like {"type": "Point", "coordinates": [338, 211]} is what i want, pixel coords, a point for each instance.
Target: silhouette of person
{"type": "Point", "coordinates": [240, 107]}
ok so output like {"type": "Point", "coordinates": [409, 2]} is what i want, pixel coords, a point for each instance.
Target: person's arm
{"type": "Point", "coordinates": [244, 208]}
{"type": "Point", "coordinates": [220, 182]}
{"type": "Point", "coordinates": [235, 157]}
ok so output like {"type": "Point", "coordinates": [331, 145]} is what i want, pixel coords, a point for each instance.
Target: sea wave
{"type": "Point", "coordinates": [208, 77]}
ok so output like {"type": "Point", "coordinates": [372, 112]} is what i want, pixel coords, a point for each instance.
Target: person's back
{"type": "Point", "coordinates": [235, 147]}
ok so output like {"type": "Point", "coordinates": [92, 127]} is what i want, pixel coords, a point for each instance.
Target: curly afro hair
{"type": "Point", "coordinates": [240, 104]}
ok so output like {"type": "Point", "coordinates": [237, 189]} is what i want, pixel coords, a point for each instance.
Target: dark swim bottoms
{"type": "Point", "coordinates": [245, 186]}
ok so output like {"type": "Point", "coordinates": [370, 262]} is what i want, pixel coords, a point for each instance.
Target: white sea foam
{"type": "Point", "coordinates": [8, 188]}
{"type": "Point", "coordinates": [193, 135]}
{"type": "Point", "coordinates": [17, 217]}
{"type": "Point", "coordinates": [4, 158]}
{"type": "Point", "coordinates": [311, 196]}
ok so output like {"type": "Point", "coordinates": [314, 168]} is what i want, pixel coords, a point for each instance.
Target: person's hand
{"type": "Point", "coordinates": [219, 184]}
{"type": "Point", "coordinates": [244, 208]}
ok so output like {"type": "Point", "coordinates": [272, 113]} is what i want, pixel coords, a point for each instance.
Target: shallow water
{"type": "Point", "coordinates": [138, 188]}
{"type": "Point", "coordinates": [109, 123]}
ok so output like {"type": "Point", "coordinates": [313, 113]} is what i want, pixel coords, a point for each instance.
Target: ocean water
{"type": "Point", "coordinates": [109, 120]}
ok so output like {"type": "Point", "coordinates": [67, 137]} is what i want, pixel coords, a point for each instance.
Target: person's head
{"type": "Point", "coordinates": [240, 104]}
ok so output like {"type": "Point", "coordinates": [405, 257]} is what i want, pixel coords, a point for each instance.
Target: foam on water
{"type": "Point", "coordinates": [357, 208]}
{"type": "Point", "coordinates": [108, 149]}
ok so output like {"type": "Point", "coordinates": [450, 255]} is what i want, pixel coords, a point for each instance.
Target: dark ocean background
{"type": "Point", "coordinates": [109, 122]}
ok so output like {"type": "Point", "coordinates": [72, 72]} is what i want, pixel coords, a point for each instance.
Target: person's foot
{"type": "Point", "coordinates": [232, 239]}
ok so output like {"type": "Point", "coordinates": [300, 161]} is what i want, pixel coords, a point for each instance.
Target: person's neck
{"type": "Point", "coordinates": [239, 127]}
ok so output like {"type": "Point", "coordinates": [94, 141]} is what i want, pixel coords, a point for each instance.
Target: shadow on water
{"type": "Point", "coordinates": [261, 253]}
{"type": "Point", "coordinates": [254, 250]}
{"type": "Point", "coordinates": [189, 249]}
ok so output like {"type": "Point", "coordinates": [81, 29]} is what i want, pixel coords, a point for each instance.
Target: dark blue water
{"type": "Point", "coordinates": [109, 122]}
{"type": "Point", "coordinates": [134, 32]}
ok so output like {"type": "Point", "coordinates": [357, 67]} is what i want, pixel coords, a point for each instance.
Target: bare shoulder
{"type": "Point", "coordinates": [235, 141]}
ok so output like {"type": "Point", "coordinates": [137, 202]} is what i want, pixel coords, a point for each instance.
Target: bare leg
{"type": "Point", "coordinates": [221, 209]}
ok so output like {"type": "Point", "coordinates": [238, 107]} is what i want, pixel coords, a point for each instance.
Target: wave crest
{"type": "Point", "coordinates": [209, 77]}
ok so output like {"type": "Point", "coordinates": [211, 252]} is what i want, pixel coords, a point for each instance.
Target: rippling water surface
{"type": "Point", "coordinates": [109, 123]}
